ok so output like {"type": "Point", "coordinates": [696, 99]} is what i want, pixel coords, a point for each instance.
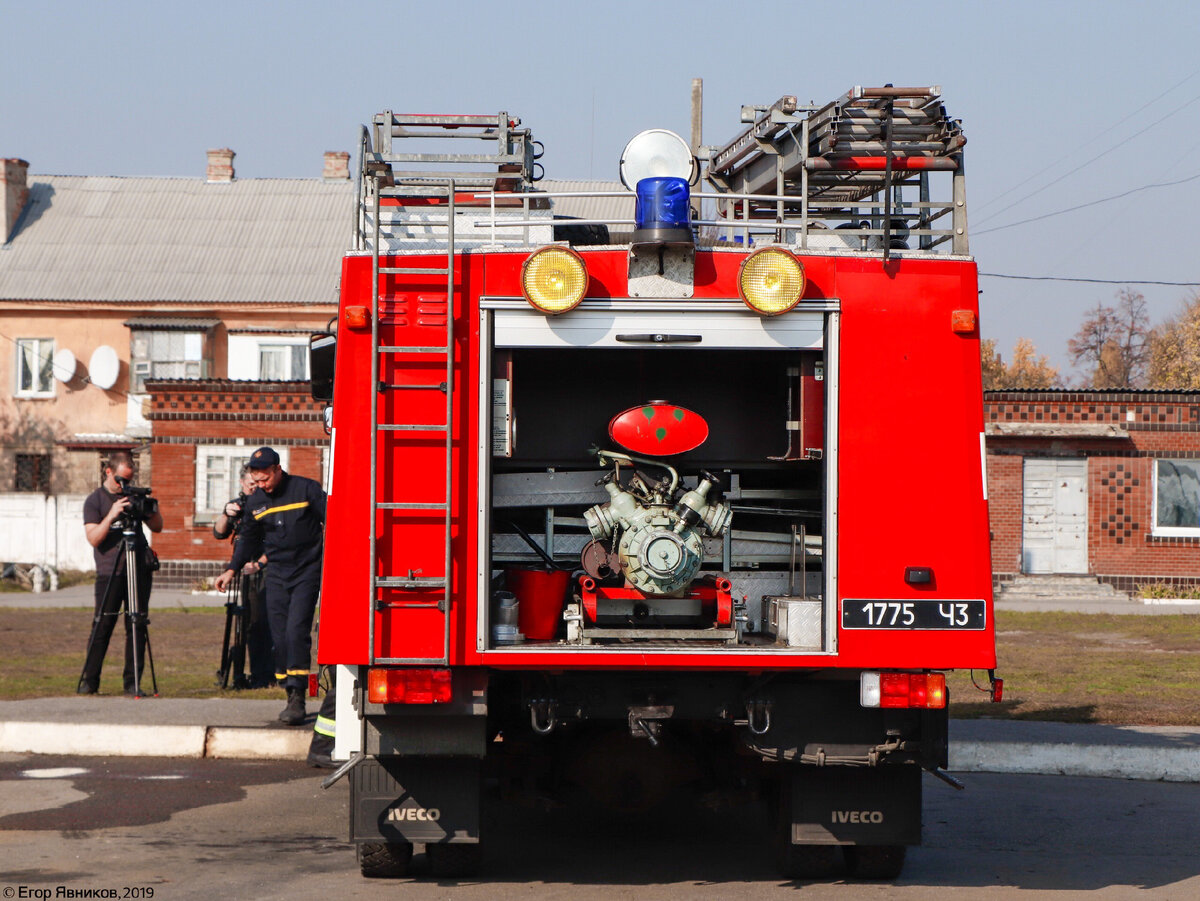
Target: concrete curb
{"type": "Point", "coordinates": [95, 739]}
{"type": "Point", "coordinates": [101, 740]}
{"type": "Point", "coordinates": [1106, 761]}
{"type": "Point", "coordinates": [257, 744]}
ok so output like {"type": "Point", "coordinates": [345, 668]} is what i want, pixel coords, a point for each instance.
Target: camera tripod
{"type": "Point", "coordinates": [130, 605]}
{"type": "Point", "coordinates": [233, 646]}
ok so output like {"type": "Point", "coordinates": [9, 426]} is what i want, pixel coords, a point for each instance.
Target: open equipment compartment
{"type": "Point", "coordinates": [764, 579]}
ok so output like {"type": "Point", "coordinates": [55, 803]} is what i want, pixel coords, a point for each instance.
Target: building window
{"type": "Point", "coordinates": [268, 358]}
{"type": "Point", "coordinates": [166, 354]}
{"type": "Point", "coordinates": [282, 362]}
{"type": "Point", "coordinates": [1177, 498]}
{"type": "Point", "coordinates": [35, 367]}
{"type": "Point", "coordinates": [32, 473]}
{"type": "Point", "coordinates": [217, 469]}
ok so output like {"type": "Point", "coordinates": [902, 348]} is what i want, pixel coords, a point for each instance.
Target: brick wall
{"type": "Point", "coordinates": [1120, 476]}
{"type": "Point", "coordinates": [1004, 482]}
{"type": "Point", "coordinates": [184, 416]}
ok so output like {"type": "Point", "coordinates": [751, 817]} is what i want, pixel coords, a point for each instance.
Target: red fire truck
{"type": "Point", "coordinates": [676, 483]}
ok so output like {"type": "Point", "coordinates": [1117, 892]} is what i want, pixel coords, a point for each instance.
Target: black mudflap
{"type": "Point", "coordinates": [415, 799]}
{"type": "Point", "coordinates": [856, 805]}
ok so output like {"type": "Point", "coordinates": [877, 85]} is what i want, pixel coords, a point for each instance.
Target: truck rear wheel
{"type": "Point", "coordinates": [384, 860]}
{"type": "Point", "coordinates": [875, 861]}
{"type": "Point", "coordinates": [809, 861]}
{"type": "Point", "coordinates": [455, 860]}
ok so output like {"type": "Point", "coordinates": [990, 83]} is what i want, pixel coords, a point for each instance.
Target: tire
{"type": "Point", "coordinates": [455, 860]}
{"type": "Point", "coordinates": [875, 861]}
{"type": "Point", "coordinates": [810, 861]}
{"type": "Point", "coordinates": [384, 860]}
{"type": "Point", "coordinates": [798, 861]}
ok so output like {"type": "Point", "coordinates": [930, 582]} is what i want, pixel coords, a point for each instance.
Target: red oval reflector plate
{"type": "Point", "coordinates": [658, 430]}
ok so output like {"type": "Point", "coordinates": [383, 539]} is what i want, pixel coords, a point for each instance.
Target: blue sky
{"type": "Point", "coordinates": [1063, 103]}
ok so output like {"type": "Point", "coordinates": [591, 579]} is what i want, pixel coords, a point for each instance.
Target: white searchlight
{"type": "Point", "coordinates": [658, 165]}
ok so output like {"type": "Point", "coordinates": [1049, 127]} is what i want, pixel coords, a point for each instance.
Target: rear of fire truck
{"type": "Point", "coordinates": [671, 491]}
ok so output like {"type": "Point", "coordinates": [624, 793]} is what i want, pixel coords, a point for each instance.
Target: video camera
{"type": "Point", "coordinates": [141, 505]}
{"type": "Point", "coordinates": [236, 522]}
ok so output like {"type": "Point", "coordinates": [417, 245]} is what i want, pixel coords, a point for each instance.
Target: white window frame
{"type": "Point", "coordinates": [245, 355]}
{"type": "Point", "coordinates": [48, 359]}
{"type": "Point", "coordinates": [143, 368]}
{"type": "Point", "coordinates": [1174, 531]}
{"type": "Point", "coordinates": [234, 455]}
{"type": "Point", "coordinates": [289, 356]}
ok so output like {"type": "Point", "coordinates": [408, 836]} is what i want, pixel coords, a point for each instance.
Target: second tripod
{"type": "Point", "coordinates": [233, 647]}
{"type": "Point", "coordinates": [246, 644]}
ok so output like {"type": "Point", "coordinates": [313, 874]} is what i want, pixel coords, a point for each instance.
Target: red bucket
{"type": "Point", "coordinates": [541, 594]}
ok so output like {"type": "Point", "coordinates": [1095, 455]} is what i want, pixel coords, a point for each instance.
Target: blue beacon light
{"type": "Point", "coordinates": [662, 211]}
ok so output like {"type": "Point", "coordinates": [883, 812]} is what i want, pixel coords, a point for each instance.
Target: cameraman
{"type": "Point", "coordinates": [257, 634]}
{"type": "Point", "coordinates": [104, 507]}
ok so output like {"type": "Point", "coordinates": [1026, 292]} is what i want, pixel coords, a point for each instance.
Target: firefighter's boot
{"type": "Point", "coordinates": [293, 714]}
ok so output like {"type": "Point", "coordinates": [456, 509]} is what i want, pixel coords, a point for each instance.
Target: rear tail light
{"type": "Point", "coordinates": [925, 690]}
{"type": "Point", "coordinates": [408, 686]}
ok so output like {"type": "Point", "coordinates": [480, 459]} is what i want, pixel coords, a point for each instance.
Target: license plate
{"type": "Point", "coordinates": [957, 615]}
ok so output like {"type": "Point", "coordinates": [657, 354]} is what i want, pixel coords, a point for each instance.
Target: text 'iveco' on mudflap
{"type": "Point", "coordinates": [656, 491]}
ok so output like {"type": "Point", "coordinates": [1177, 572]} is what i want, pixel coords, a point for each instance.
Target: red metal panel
{"type": "Point", "coordinates": [345, 577]}
{"type": "Point", "coordinates": [910, 480]}
{"type": "Point", "coordinates": [812, 406]}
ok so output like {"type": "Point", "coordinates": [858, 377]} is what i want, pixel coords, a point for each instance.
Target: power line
{"type": "Point", "coordinates": [1164, 184]}
{"type": "Point", "coordinates": [1093, 281]}
{"type": "Point", "coordinates": [1103, 153]}
{"type": "Point", "coordinates": [1118, 123]}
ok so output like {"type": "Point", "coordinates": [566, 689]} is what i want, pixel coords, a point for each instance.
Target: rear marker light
{"type": "Point", "coordinates": [903, 690]}
{"type": "Point", "coordinates": [408, 686]}
{"type": "Point", "coordinates": [357, 317]}
{"type": "Point", "coordinates": [963, 322]}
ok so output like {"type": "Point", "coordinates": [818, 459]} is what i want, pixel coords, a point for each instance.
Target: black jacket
{"type": "Point", "coordinates": [287, 525]}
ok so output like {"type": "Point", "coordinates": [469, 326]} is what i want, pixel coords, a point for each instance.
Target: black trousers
{"type": "Point", "coordinates": [291, 602]}
{"type": "Point", "coordinates": [111, 594]}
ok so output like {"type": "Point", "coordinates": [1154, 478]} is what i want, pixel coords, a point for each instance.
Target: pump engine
{"type": "Point", "coordinates": [655, 534]}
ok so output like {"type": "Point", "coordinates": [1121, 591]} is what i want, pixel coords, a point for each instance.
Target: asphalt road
{"type": "Point", "coordinates": [174, 829]}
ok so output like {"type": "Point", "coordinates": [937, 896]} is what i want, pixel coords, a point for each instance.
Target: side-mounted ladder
{"type": "Point", "coordinates": [391, 183]}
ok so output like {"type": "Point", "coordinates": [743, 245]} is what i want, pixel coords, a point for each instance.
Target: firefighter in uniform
{"type": "Point", "coordinates": [285, 520]}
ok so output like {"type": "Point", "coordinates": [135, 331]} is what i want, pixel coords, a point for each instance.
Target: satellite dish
{"type": "Point", "coordinates": [656, 153]}
{"type": "Point", "coordinates": [64, 364]}
{"type": "Point", "coordinates": [103, 367]}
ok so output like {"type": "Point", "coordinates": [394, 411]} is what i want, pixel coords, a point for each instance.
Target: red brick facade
{"type": "Point", "coordinates": [1120, 435]}
{"type": "Point", "coordinates": [185, 415]}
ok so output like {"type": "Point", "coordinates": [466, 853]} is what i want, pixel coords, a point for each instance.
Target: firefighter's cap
{"type": "Point", "coordinates": [263, 458]}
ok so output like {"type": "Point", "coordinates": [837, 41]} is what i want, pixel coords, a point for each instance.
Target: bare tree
{"type": "Point", "coordinates": [1113, 342]}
